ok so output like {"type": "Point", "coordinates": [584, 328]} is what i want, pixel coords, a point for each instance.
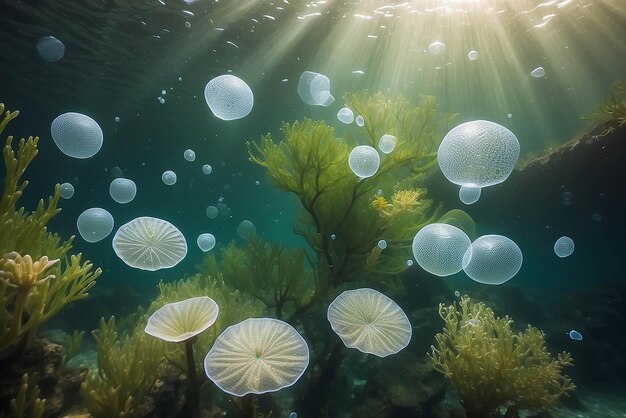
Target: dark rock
{"type": "Point", "coordinates": [406, 385]}
{"type": "Point", "coordinates": [58, 386]}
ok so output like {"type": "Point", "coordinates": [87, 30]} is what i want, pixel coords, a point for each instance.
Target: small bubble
{"type": "Point", "coordinates": [180, 79]}
{"type": "Point", "coordinates": [163, 92]}
{"type": "Point", "coordinates": [187, 25]}
{"type": "Point", "coordinates": [117, 119]}
{"type": "Point", "coordinates": [409, 263]}
{"type": "Point", "coordinates": [333, 236]}
{"type": "Point", "coordinates": [257, 182]}
{"type": "Point", "coordinates": [575, 335]}
{"type": "Point", "coordinates": [457, 293]}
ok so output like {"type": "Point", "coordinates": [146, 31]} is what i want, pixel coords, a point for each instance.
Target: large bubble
{"type": "Point", "coordinates": [314, 89]}
{"type": "Point", "coordinates": [439, 248]}
{"type": "Point", "coordinates": [492, 259]}
{"type": "Point", "coordinates": [122, 190]}
{"type": "Point", "coordinates": [94, 224]}
{"type": "Point", "coordinates": [564, 247]}
{"type": "Point", "coordinates": [76, 135]}
{"type": "Point", "coordinates": [229, 97]}
{"type": "Point", "coordinates": [469, 194]}
{"type": "Point", "coordinates": [478, 153]}
{"type": "Point", "coordinates": [189, 155]}
{"type": "Point", "coordinates": [50, 48]}
{"type": "Point", "coordinates": [364, 161]}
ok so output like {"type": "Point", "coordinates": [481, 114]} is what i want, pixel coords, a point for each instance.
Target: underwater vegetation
{"type": "Point", "coordinates": [493, 368]}
{"type": "Point", "coordinates": [39, 275]}
{"type": "Point", "coordinates": [614, 106]}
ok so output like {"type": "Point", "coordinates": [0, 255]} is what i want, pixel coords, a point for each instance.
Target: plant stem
{"type": "Point", "coordinates": [192, 394]}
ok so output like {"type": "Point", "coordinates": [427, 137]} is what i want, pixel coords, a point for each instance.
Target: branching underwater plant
{"type": "Point", "coordinates": [496, 371]}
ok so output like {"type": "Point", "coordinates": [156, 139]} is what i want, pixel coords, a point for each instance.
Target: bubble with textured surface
{"type": "Point", "coordinates": [492, 259]}
{"type": "Point", "coordinates": [189, 155]}
{"type": "Point", "coordinates": [76, 135]}
{"type": "Point", "coordinates": [50, 48]}
{"type": "Point", "coordinates": [478, 153]}
{"type": "Point", "coordinates": [469, 194]}
{"type": "Point", "coordinates": [229, 97]}
{"type": "Point", "coordinates": [67, 190]}
{"type": "Point", "coordinates": [148, 243]}
{"type": "Point", "coordinates": [207, 169]}
{"type": "Point", "coordinates": [206, 241]}
{"type": "Point", "coordinates": [122, 190]}
{"type": "Point", "coordinates": [564, 247]}
{"type": "Point", "coordinates": [364, 161]}
{"type": "Point", "coordinates": [169, 177]}
{"type": "Point", "coordinates": [360, 122]}
{"type": "Point", "coordinates": [94, 224]}
{"type": "Point", "coordinates": [345, 115]}
{"type": "Point", "coordinates": [258, 355]}
{"type": "Point", "coordinates": [387, 143]}
{"type": "Point", "coordinates": [369, 321]}
{"type": "Point", "coordinates": [439, 248]}
{"type": "Point", "coordinates": [314, 89]}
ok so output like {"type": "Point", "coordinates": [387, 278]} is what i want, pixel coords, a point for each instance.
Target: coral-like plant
{"type": "Point", "coordinates": [496, 371]}
{"type": "Point", "coordinates": [26, 403]}
{"type": "Point", "coordinates": [32, 292]}
{"type": "Point", "coordinates": [127, 369]}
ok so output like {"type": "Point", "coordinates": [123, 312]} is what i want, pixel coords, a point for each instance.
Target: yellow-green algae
{"type": "Point", "coordinates": [493, 368]}
{"type": "Point", "coordinates": [32, 292]}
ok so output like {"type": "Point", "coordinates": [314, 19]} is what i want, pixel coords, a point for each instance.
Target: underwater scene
{"type": "Point", "coordinates": [313, 208]}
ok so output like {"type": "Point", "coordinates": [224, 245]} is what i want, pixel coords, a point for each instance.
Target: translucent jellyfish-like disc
{"type": "Point", "coordinates": [229, 97]}
{"type": "Point", "coordinates": [564, 247]}
{"type": "Point", "coordinates": [492, 259]}
{"type": "Point", "coordinates": [439, 248]}
{"type": "Point", "coordinates": [246, 229]}
{"type": "Point", "coordinates": [387, 143]}
{"type": "Point", "coordinates": [345, 115]}
{"type": "Point", "coordinates": [314, 89]}
{"type": "Point", "coordinates": [469, 194]}
{"type": "Point", "coordinates": [211, 212]}
{"type": "Point", "coordinates": [76, 135]}
{"type": "Point", "coordinates": [258, 355]}
{"type": "Point", "coordinates": [50, 48]}
{"type": "Point", "coordinates": [94, 224]}
{"type": "Point", "coordinates": [179, 321]}
{"type": "Point", "coordinates": [206, 241]}
{"type": "Point", "coordinates": [369, 321]}
{"type": "Point", "coordinates": [123, 190]}
{"type": "Point", "coordinates": [364, 161]}
{"type": "Point", "coordinates": [149, 244]}
{"type": "Point", "coordinates": [437, 48]}
{"type": "Point", "coordinates": [478, 153]}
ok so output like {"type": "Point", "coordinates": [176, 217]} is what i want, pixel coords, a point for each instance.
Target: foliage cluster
{"type": "Point", "coordinates": [493, 368]}
{"type": "Point", "coordinates": [24, 236]}
{"type": "Point", "coordinates": [129, 361]}
{"type": "Point", "coordinates": [343, 217]}
{"type": "Point", "coordinates": [614, 106]}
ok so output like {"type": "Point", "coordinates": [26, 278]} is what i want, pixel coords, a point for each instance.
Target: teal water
{"type": "Point", "coordinates": [120, 55]}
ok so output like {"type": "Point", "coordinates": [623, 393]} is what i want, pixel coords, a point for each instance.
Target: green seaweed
{"type": "Point", "coordinates": [24, 237]}
{"type": "Point", "coordinates": [493, 368]}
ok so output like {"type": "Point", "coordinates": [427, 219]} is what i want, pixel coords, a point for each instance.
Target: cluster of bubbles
{"type": "Point", "coordinates": [442, 249]}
